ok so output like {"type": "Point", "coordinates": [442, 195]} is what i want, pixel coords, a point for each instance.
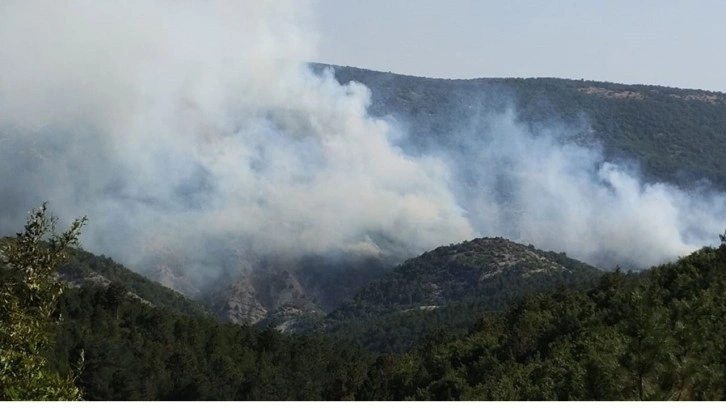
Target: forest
{"type": "Point", "coordinates": [653, 335]}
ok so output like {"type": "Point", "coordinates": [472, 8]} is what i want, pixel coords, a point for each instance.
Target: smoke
{"type": "Point", "coordinates": [177, 126]}
{"type": "Point", "coordinates": [196, 130]}
{"type": "Point", "coordinates": [541, 187]}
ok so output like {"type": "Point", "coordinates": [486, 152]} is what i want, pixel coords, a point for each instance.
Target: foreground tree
{"type": "Point", "coordinates": [28, 295]}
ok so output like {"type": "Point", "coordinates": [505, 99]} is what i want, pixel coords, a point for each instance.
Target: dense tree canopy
{"type": "Point", "coordinates": [651, 335]}
{"type": "Point", "coordinates": [655, 335]}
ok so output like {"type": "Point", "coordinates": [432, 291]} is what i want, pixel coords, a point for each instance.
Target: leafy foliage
{"type": "Point", "coordinates": [28, 295]}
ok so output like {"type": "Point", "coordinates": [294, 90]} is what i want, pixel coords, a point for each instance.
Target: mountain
{"type": "Point", "coordinates": [658, 335]}
{"type": "Point", "coordinates": [449, 287]}
{"type": "Point", "coordinates": [280, 292]}
{"type": "Point", "coordinates": [665, 134]}
{"type": "Point", "coordinates": [652, 335]}
{"type": "Point", "coordinates": [494, 268]}
{"type": "Point", "coordinates": [83, 267]}
{"type": "Point", "coordinates": [675, 135]}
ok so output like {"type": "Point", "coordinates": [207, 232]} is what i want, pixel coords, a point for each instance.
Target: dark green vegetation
{"type": "Point", "coordinates": [659, 335]}
{"type": "Point", "coordinates": [134, 351]}
{"type": "Point", "coordinates": [654, 335]}
{"type": "Point", "coordinates": [675, 135]}
{"type": "Point", "coordinates": [28, 297]}
{"type": "Point", "coordinates": [83, 267]}
{"type": "Point", "coordinates": [449, 287]}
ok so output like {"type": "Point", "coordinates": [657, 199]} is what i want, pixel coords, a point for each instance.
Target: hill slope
{"type": "Point", "coordinates": [129, 350]}
{"type": "Point", "coordinates": [494, 268]}
{"type": "Point", "coordinates": [674, 134]}
{"type": "Point", "coordinates": [449, 288]}
{"type": "Point", "coordinates": [655, 335]}
{"type": "Point", "coordinates": [84, 267]}
{"type": "Point", "coordinates": [658, 335]}
{"type": "Point", "coordinates": [287, 290]}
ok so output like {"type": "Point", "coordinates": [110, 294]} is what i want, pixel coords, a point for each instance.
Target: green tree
{"type": "Point", "coordinates": [115, 295]}
{"type": "Point", "coordinates": [28, 295]}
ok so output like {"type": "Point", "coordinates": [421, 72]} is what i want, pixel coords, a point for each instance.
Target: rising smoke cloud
{"type": "Point", "coordinates": [540, 187]}
{"type": "Point", "coordinates": [180, 127]}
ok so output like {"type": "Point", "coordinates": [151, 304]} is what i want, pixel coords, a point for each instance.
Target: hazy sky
{"type": "Point", "coordinates": [662, 42]}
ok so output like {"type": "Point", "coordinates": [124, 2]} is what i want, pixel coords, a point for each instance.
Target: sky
{"type": "Point", "coordinates": [657, 42]}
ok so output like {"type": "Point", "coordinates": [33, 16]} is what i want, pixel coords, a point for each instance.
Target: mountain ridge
{"type": "Point", "coordinates": [318, 66]}
{"type": "Point", "coordinates": [673, 133]}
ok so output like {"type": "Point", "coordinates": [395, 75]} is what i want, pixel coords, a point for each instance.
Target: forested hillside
{"type": "Point", "coordinates": [658, 336]}
{"type": "Point", "coordinates": [493, 267]}
{"type": "Point", "coordinates": [132, 351]}
{"type": "Point", "coordinates": [611, 151]}
{"type": "Point", "coordinates": [655, 335]}
{"type": "Point", "coordinates": [448, 288]}
{"type": "Point", "coordinates": [83, 267]}
{"type": "Point", "coordinates": [675, 134]}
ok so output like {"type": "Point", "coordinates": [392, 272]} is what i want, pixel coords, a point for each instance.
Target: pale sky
{"type": "Point", "coordinates": [660, 42]}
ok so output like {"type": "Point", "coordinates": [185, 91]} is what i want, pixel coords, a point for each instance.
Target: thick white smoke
{"type": "Point", "coordinates": [183, 127]}
{"type": "Point", "coordinates": [179, 125]}
{"type": "Point", "coordinates": [538, 187]}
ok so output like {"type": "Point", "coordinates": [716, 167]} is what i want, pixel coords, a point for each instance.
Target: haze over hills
{"type": "Point", "coordinates": [670, 132]}
{"type": "Point", "coordinates": [651, 335]}
{"type": "Point", "coordinates": [446, 287]}
{"type": "Point", "coordinates": [575, 156]}
{"type": "Point", "coordinates": [218, 159]}
{"type": "Point", "coordinates": [550, 161]}
{"type": "Point", "coordinates": [543, 161]}
{"type": "Point", "coordinates": [339, 233]}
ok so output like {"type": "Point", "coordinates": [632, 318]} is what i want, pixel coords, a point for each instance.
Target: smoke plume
{"type": "Point", "coordinates": [540, 187]}
{"type": "Point", "coordinates": [184, 128]}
